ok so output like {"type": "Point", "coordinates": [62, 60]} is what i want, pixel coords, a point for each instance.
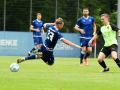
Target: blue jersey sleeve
{"type": "Point", "coordinates": [42, 24]}
{"type": "Point", "coordinates": [47, 26]}
{"type": "Point", "coordinates": [33, 24]}
{"type": "Point", "coordinates": [60, 36]}
{"type": "Point", "coordinates": [93, 21]}
{"type": "Point", "coordinates": [78, 22]}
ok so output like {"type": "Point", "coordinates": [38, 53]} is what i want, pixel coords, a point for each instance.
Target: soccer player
{"type": "Point", "coordinates": [108, 31]}
{"type": "Point", "coordinates": [37, 27]}
{"type": "Point", "coordinates": [84, 25]}
{"type": "Point", "coordinates": [46, 51]}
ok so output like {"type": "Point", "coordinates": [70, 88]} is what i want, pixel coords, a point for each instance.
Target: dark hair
{"type": "Point", "coordinates": [85, 9]}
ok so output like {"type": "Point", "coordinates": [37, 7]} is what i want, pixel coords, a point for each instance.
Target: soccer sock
{"type": "Point", "coordinates": [117, 62]}
{"type": "Point", "coordinates": [86, 55]}
{"type": "Point", "coordinates": [31, 57]}
{"type": "Point", "coordinates": [81, 56]}
{"type": "Point", "coordinates": [33, 49]}
{"type": "Point", "coordinates": [102, 64]}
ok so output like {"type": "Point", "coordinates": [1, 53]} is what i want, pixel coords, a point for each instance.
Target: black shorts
{"type": "Point", "coordinates": [107, 50]}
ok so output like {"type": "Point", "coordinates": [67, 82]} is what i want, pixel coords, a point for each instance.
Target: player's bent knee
{"type": "Point", "coordinates": [114, 58]}
{"type": "Point", "coordinates": [99, 60]}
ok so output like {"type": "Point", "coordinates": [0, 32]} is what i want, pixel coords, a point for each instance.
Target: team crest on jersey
{"type": "Point", "coordinates": [107, 27]}
{"type": "Point", "coordinates": [83, 20]}
{"type": "Point", "coordinates": [90, 20]}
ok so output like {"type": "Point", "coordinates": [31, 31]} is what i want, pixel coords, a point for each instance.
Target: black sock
{"type": "Point", "coordinates": [117, 62]}
{"type": "Point", "coordinates": [103, 64]}
{"type": "Point", "coordinates": [33, 50]}
{"type": "Point", "coordinates": [81, 57]}
{"type": "Point", "coordinates": [86, 55]}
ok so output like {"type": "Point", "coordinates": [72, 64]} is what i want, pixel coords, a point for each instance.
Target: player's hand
{"type": "Point", "coordinates": [90, 42]}
{"type": "Point", "coordinates": [82, 31]}
{"type": "Point", "coordinates": [37, 30]}
{"type": "Point", "coordinates": [43, 33]}
{"type": "Point", "coordinates": [77, 46]}
{"type": "Point", "coordinates": [118, 35]}
{"type": "Point", "coordinates": [94, 33]}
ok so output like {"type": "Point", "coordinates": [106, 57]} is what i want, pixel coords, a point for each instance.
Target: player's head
{"type": "Point", "coordinates": [104, 18]}
{"type": "Point", "coordinates": [59, 23]}
{"type": "Point", "coordinates": [39, 16]}
{"type": "Point", "coordinates": [85, 12]}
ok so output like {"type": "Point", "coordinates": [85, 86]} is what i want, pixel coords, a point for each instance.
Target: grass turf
{"type": "Point", "coordinates": [65, 74]}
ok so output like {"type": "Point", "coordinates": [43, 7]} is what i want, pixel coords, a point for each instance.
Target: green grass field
{"type": "Point", "coordinates": [65, 74]}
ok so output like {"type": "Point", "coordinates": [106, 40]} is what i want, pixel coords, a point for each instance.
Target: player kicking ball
{"type": "Point", "coordinates": [108, 31]}
{"type": "Point", "coordinates": [46, 51]}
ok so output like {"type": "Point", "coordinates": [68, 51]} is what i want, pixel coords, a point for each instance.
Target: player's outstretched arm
{"type": "Point", "coordinates": [69, 43]}
{"type": "Point", "coordinates": [93, 38]}
{"type": "Point", "coordinates": [48, 23]}
{"type": "Point", "coordinates": [43, 31]}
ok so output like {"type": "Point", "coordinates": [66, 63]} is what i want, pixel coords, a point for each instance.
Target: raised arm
{"type": "Point", "coordinates": [69, 43]}
{"type": "Point", "coordinates": [48, 23]}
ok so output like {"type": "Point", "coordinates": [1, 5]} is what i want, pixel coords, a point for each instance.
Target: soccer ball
{"type": "Point", "coordinates": [14, 67]}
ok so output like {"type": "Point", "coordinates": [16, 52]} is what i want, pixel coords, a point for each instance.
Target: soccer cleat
{"type": "Point", "coordinates": [81, 64]}
{"type": "Point", "coordinates": [86, 61]}
{"type": "Point", "coordinates": [39, 54]}
{"type": "Point", "coordinates": [105, 70]}
{"type": "Point", "coordinates": [20, 60]}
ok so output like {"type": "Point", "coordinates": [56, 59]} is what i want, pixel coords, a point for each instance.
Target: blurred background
{"type": "Point", "coordinates": [17, 15]}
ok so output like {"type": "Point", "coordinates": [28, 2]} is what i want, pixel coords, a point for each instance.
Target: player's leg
{"type": "Point", "coordinates": [40, 42]}
{"type": "Point", "coordinates": [34, 48]}
{"type": "Point", "coordinates": [51, 60]}
{"type": "Point", "coordinates": [114, 49]}
{"type": "Point", "coordinates": [48, 57]}
{"type": "Point", "coordinates": [36, 55]}
{"type": "Point", "coordinates": [36, 43]}
{"type": "Point", "coordinates": [103, 53]}
{"type": "Point", "coordinates": [31, 57]}
{"type": "Point", "coordinates": [83, 50]}
{"type": "Point", "coordinates": [89, 50]}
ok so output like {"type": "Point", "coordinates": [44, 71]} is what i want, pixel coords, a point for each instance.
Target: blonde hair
{"type": "Point", "coordinates": [59, 20]}
{"type": "Point", "coordinates": [105, 14]}
{"type": "Point", "coordinates": [38, 14]}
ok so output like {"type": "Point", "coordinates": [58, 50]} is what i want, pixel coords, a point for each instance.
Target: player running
{"type": "Point", "coordinates": [108, 31]}
{"type": "Point", "coordinates": [46, 51]}
{"type": "Point", "coordinates": [84, 26]}
{"type": "Point", "coordinates": [37, 27]}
